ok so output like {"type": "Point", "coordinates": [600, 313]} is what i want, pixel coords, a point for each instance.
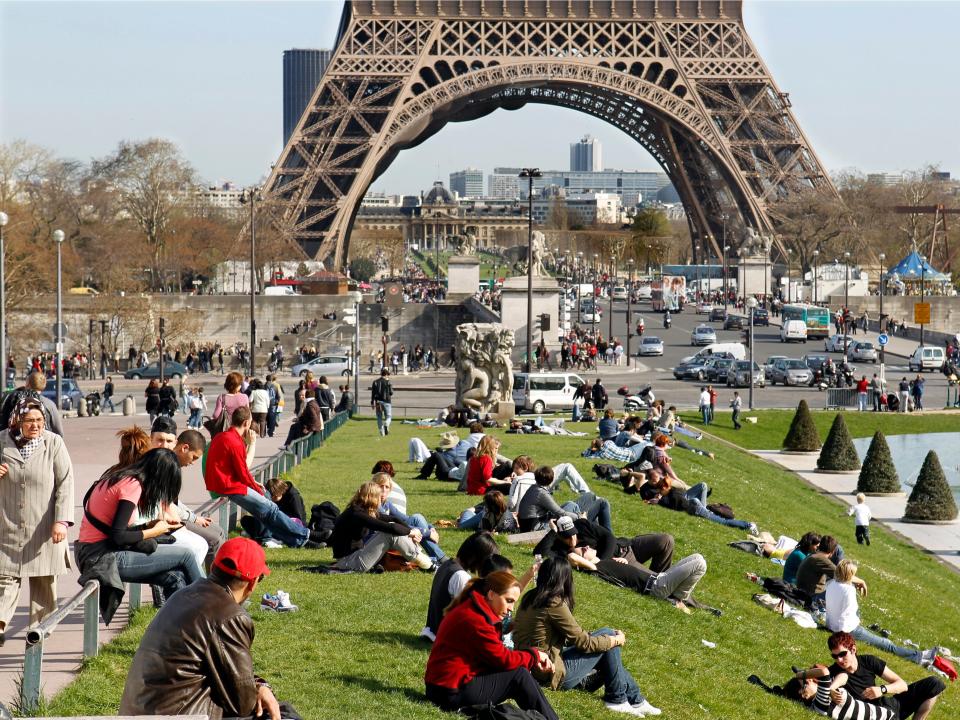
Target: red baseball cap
{"type": "Point", "coordinates": [242, 558]}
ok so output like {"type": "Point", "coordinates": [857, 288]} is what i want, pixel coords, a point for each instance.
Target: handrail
{"type": "Point", "coordinates": [89, 594]}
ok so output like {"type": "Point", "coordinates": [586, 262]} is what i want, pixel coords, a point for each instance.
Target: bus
{"type": "Point", "coordinates": [816, 318]}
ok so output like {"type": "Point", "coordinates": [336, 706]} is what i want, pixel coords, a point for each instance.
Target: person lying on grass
{"type": "Point", "coordinates": [469, 664]}
{"type": "Point", "coordinates": [692, 501]}
{"type": "Point", "coordinates": [538, 507]}
{"type": "Point", "coordinates": [581, 660]}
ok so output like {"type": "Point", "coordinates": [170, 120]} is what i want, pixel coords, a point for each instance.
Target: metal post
{"type": "Point", "coordinates": [846, 301]}
{"type": "Point", "coordinates": [816, 267]}
{"type": "Point", "coordinates": [58, 238]}
{"type": "Point", "coordinates": [356, 359]}
{"type": "Point", "coordinates": [610, 301]}
{"type": "Point", "coordinates": [629, 306]}
{"type": "Point", "coordinates": [594, 299]}
{"type": "Point", "coordinates": [726, 249]}
{"type": "Point", "coordinates": [579, 283]}
{"type": "Point", "coordinates": [880, 324]}
{"type": "Point", "coordinates": [530, 174]}
{"type": "Point", "coordinates": [90, 375]}
{"type": "Point", "coordinates": [923, 269]}
{"type": "Point", "coordinates": [750, 400]}
{"type": "Point", "coordinates": [91, 623]}
{"type": "Point", "coordinates": [32, 669]}
{"type": "Point", "coordinates": [253, 281]}
{"type": "Point", "coordinates": [4, 218]}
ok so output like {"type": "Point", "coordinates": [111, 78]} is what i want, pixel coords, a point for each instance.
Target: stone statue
{"type": "Point", "coordinates": [464, 244]}
{"type": "Point", "coordinates": [516, 256]}
{"type": "Point", "coordinates": [539, 252]}
{"type": "Point", "coordinates": [484, 367]}
{"type": "Point", "coordinates": [752, 243]}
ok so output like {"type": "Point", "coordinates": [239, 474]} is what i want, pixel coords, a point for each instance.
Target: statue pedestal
{"type": "Point", "coordinates": [753, 276]}
{"type": "Point", "coordinates": [504, 411]}
{"type": "Point", "coordinates": [513, 311]}
{"type": "Point", "coordinates": [463, 275]}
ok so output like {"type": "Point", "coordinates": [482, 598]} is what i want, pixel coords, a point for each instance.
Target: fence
{"type": "Point", "coordinates": [846, 398]}
{"type": "Point", "coordinates": [89, 595]}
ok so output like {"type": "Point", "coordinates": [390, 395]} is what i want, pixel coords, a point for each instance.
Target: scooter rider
{"type": "Point", "coordinates": [666, 320]}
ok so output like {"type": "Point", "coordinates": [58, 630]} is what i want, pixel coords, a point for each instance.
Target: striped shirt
{"type": "Point", "coordinates": [850, 708]}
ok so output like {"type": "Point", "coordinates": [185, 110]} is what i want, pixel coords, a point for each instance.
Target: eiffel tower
{"type": "Point", "coordinates": [681, 77]}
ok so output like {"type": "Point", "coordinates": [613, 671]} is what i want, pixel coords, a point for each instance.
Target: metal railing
{"type": "Point", "coordinates": [846, 398]}
{"type": "Point", "coordinates": [274, 466]}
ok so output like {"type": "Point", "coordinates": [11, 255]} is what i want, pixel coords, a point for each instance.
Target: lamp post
{"type": "Point", "coordinates": [880, 323]}
{"type": "Point", "coordinates": [530, 174]}
{"type": "Point", "coordinates": [726, 250]}
{"type": "Point", "coordinates": [751, 304]}
{"type": "Point", "coordinates": [923, 270]}
{"type": "Point", "coordinates": [789, 263]}
{"type": "Point", "coordinates": [58, 237]}
{"type": "Point", "coordinates": [357, 297]}
{"type": "Point", "coordinates": [4, 219]}
{"type": "Point", "coordinates": [579, 284]}
{"type": "Point", "coordinates": [613, 271]}
{"type": "Point", "coordinates": [696, 259]}
{"type": "Point", "coordinates": [846, 298]}
{"type": "Point", "coordinates": [595, 299]}
{"type": "Point", "coordinates": [816, 267]}
{"type": "Point", "coordinates": [629, 305]}
{"type": "Point", "coordinates": [250, 195]}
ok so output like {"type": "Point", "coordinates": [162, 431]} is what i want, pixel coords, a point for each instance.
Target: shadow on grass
{"type": "Point", "coordinates": [413, 642]}
{"type": "Point", "coordinates": [376, 686]}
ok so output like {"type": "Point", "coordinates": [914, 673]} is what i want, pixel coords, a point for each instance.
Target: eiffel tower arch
{"type": "Point", "coordinates": [681, 77]}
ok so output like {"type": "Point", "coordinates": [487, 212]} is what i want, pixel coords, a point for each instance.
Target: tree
{"type": "Point", "coordinates": [838, 453]}
{"type": "Point", "coordinates": [931, 499]}
{"type": "Point", "coordinates": [811, 220]}
{"type": "Point", "coordinates": [802, 436]}
{"type": "Point", "coordinates": [652, 236]}
{"type": "Point", "coordinates": [362, 269]}
{"type": "Point", "coordinates": [878, 475]}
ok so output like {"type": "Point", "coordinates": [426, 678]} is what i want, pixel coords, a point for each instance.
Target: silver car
{"type": "Point", "coordinates": [703, 335]}
{"type": "Point", "coordinates": [323, 365]}
{"type": "Point", "coordinates": [862, 352]}
{"type": "Point", "coordinates": [790, 372]}
{"type": "Point", "coordinates": [768, 365]}
{"type": "Point", "coordinates": [650, 345]}
{"type": "Point", "coordinates": [834, 343]}
{"type": "Point", "coordinates": [738, 375]}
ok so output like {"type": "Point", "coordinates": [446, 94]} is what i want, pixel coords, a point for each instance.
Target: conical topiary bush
{"type": "Point", "coordinates": [931, 499]}
{"type": "Point", "coordinates": [803, 435]}
{"type": "Point", "coordinates": [838, 454]}
{"type": "Point", "coordinates": [878, 476]}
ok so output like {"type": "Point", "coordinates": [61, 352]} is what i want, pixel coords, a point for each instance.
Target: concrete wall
{"type": "Point", "coordinates": [944, 311]}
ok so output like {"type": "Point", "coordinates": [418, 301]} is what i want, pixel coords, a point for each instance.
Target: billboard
{"type": "Point", "coordinates": [668, 292]}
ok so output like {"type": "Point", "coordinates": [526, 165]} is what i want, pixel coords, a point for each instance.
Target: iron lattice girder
{"type": "Point", "coordinates": [680, 76]}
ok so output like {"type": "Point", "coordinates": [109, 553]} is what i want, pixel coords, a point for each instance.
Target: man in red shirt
{"type": "Point", "coordinates": [226, 474]}
{"type": "Point", "coordinates": [862, 388]}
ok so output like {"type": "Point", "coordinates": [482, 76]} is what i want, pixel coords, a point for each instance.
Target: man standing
{"type": "Point", "coordinates": [904, 389]}
{"type": "Point", "coordinates": [862, 387]}
{"type": "Point", "coordinates": [108, 395]}
{"type": "Point", "coordinates": [705, 405]}
{"type": "Point", "coordinates": [877, 388]}
{"type": "Point", "coordinates": [195, 656]}
{"type": "Point", "coordinates": [736, 405]}
{"type": "Point", "coordinates": [381, 399]}
{"type": "Point", "coordinates": [599, 395]}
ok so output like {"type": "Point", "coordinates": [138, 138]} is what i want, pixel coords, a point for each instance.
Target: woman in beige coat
{"type": "Point", "coordinates": [36, 508]}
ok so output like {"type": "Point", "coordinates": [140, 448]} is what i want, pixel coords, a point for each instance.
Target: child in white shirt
{"type": "Point", "coordinates": [862, 514]}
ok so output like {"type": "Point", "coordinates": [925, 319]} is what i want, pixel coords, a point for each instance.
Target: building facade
{"type": "Point", "coordinates": [586, 155]}
{"type": "Point", "coordinates": [467, 183]}
{"type": "Point", "coordinates": [302, 70]}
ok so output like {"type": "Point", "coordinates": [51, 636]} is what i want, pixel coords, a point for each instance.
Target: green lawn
{"type": "Point", "coordinates": [352, 651]}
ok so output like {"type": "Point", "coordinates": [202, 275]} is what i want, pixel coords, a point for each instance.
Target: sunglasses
{"type": "Point", "coordinates": [841, 654]}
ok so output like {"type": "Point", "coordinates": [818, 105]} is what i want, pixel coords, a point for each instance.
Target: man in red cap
{"type": "Point", "coordinates": [195, 658]}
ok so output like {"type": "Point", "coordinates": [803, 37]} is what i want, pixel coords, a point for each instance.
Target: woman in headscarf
{"type": "Point", "coordinates": [36, 508]}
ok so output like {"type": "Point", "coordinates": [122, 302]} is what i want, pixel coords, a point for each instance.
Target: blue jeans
{"type": "Point", "coordinates": [108, 400]}
{"type": "Point", "coordinates": [470, 519]}
{"type": "Point", "coordinates": [697, 495]}
{"type": "Point", "coordinates": [277, 523]}
{"type": "Point", "coordinates": [170, 566]}
{"type": "Point", "coordinates": [597, 509]}
{"type": "Point", "coordinates": [862, 634]}
{"type": "Point", "coordinates": [195, 417]}
{"type": "Point", "coordinates": [384, 416]}
{"type": "Point", "coordinates": [705, 413]}
{"type": "Point", "coordinates": [618, 683]}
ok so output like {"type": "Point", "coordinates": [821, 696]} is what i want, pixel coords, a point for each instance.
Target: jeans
{"type": "Point", "coordinates": [108, 400]}
{"type": "Point", "coordinates": [470, 519]}
{"type": "Point", "coordinates": [375, 548]}
{"type": "Point", "coordinates": [862, 634]}
{"type": "Point", "coordinates": [705, 413]}
{"type": "Point", "coordinates": [862, 402]}
{"type": "Point", "coordinates": [597, 509]}
{"type": "Point", "coordinates": [273, 417]}
{"type": "Point", "coordinates": [436, 462]}
{"type": "Point", "coordinates": [170, 566]}
{"type": "Point", "coordinates": [736, 418]}
{"type": "Point", "coordinates": [419, 522]}
{"type": "Point", "coordinates": [566, 472]}
{"type": "Point", "coordinates": [279, 525]}
{"type": "Point", "coordinates": [195, 417]}
{"type": "Point", "coordinates": [384, 416]}
{"type": "Point", "coordinates": [680, 580]}
{"type": "Point", "coordinates": [618, 683]}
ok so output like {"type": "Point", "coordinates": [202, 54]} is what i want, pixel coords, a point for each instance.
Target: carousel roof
{"type": "Point", "coordinates": [913, 266]}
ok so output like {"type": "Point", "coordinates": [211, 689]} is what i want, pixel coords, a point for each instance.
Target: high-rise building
{"type": "Point", "coordinates": [504, 183]}
{"type": "Point", "coordinates": [586, 155]}
{"type": "Point", "coordinates": [302, 70]}
{"type": "Point", "coordinates": [468, 183]}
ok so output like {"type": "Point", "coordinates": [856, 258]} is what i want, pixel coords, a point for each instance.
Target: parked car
{"type": "Point", "coordinates": [650, 345]}
{"type": "Point", "coordinates": [793, 330]}
{"type": "Point", "coordinates": [539, 391]}
{"type": "Point", "coordinates": [703, 335]}
{"type": "Point", "coordinates": [926, 358]}
{"type": "Point", "coordinates": [170, 370]}
{"type": "Point", "coordinates": [733, 322]}
{"type": "Point", "coordinates": [862, 352]}
{"type": "Point", "coordinates": [716, 369]}
{"type": "Point", "coordinates": [834, 343]}
{"type": "Point", "coordinates": [790, 372]}
{"type": "Point", "coordinates": [704, 308]}
{"type": "Point", "coordinates": [619, 293]}
{"type": "Point", "coordinates": [718, 314]}
{"type": "Point", "coordinates": [69, 393]}
{"type": "Point", "coordinates": [761, 316]}
{"type": "Point", "coordinates": [738, 374]}
{"type": "Point", "coordinates": [323, 365]}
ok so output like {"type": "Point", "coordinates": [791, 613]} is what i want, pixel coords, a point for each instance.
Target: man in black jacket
{"type": "Point", "coordinates": [381, 399]}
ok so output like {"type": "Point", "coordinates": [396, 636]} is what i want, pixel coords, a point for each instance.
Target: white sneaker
{"type": "Point", "coordinates": [625, 708]}
{"type": "Point", "coordinates": [646, 708]}
{"type": "Point", "coordinates": [285, 605]}
{"type": "Point", "coordinates": [927, 657]}
{"type": "Point", "coordinates": [271, 543]}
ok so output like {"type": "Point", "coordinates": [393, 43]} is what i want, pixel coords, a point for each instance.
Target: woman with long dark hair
{"type": "Point", "coordinates": [110, 538]}
{"type": "Point", "coordinates": [581, 660]}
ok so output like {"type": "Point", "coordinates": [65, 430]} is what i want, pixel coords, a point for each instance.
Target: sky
{"type": "Point", "coordinates": [873, 85]}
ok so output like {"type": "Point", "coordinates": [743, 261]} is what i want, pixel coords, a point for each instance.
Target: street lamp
{"type": "Point", "coordinates": [579, 284]}
{"type": "Point", "coordinates": [696, 259]}
{"type": "Point", "coordinates": [530, 174]}
{"type": "Point", "coordinates": [4, 219]}
{"type": "Point", "coordinates": [880, 323]}
{"type": "Point", "coordinates": [629, 301]}
{"type": "Point", "coordinates": [58, 237]}
{"type": "Point", "coordinates": [596, 283]}
{"type": "Point", "coordinates": [846, 298]}
{"type": "Point", "coordinates": [923, 270]}
{"type": "Point", "coordinates": [251, 195]}
{"type": "Point", "coordinates": [789, 263]}
{"type": "Point", "coordinates": [816, 292]}
{"type": "Point", "coordinates": [613, 271]}
{"type": "Point", "coordinates": [751, 304]}
{"type": "Point", "coordinates": [726, 250]}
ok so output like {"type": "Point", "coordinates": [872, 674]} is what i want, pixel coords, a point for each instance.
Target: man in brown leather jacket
{"type": "Point", "coordinates": [194, 658]}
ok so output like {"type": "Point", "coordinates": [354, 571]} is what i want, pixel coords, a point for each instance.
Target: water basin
{"type": "Point", "coordinates": [909, 451]}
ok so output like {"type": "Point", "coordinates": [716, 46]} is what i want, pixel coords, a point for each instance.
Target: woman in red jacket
{"type": "Point", "coordinates": [469, 664]}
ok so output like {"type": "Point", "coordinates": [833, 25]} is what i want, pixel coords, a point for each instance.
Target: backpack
{"type": "Point", "coordinates": [503, 711]}
{"type": "Point", "coordinates": [605, 471]}
{"type": "Point", "coordinates": [721, 509]}
{"type": "Point", "coordinates": [323, 517]}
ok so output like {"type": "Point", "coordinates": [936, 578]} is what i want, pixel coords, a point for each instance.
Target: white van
{"type": "Point", "coordinates": [540, 391]}
{"type": "Point", "coordinates": [278, 290]}
{"type": "Point", "coordinates": [736, 350]}
{"type": "Point", "coordinates": [926, 357]}
{"type": "Point", "coordinates": [793, 330]}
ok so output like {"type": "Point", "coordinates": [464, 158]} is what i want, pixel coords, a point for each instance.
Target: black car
{"type": "Point", "coordinates": [718, 314]}
{"type": "Point", "coordinates": [716, 370]}
{"type": "Point", "coordinates": [733, 322]}
{"type": "Point", "coordinates": [761, 316]}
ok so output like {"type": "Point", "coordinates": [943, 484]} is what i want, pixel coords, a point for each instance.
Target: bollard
{"type": "Point", "coordinates": [129, 406]}
{"type": "Point", "coordinates": [82, 408]}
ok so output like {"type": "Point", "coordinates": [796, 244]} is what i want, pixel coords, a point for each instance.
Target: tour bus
{"type": "Point", "coordinates": [816, 318]}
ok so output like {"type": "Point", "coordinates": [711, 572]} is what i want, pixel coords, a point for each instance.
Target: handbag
{"type": "Point", "coordinates": [217, 425]}
{"type": "Point", "coordinates": [146, 546]}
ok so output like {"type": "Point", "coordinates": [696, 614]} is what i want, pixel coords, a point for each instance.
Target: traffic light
{"type": "Point", "coordinates": [384, 323]}
{"type": "Point", "coordinates": [163, 326]}
{"type": "Point", "coordinates": [545, 322]}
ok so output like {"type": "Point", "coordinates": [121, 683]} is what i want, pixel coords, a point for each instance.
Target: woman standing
{"type": "Point", "coordinates": [581, 660]}
{"type": "Point", "coordinates": [231, 399]}
{"type": "Point", "coordinates": [259, 406]}
{"type": "Point", "coordinates": [469, 664]}
{"type": "Point", "coordinates": [36, 508]}
{"type": "Point", "coordinates": [152, 393]}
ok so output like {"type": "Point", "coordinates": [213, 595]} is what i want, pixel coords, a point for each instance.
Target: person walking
{"type": "Point", "coordinates": [108, 395]}
{"type": "Point", "coordinates": [381, 399]}
{"type": "Point", "coordinates": [736, 405]}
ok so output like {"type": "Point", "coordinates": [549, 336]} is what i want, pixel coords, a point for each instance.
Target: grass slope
{"type": "Point", "coordinates": [352, 651]}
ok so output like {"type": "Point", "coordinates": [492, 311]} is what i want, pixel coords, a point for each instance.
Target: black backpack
{"type": "Point", "coordinates": [503, 711]}
{"type": "Point", "coordinates": [323, 517]}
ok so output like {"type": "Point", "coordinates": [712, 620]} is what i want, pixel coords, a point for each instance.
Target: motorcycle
{"type": "Point", "coordinates": [93, 404]}
{"type": "Point", "coordinates": [642, 400]}
{"type": "Point", "coordinates": [667, 321]}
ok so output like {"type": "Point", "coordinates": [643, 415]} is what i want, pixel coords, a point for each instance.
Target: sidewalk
{"type": "Point", "coordinates": [941, 541]}
{"type": "Point", "coordinates": [93, 447]}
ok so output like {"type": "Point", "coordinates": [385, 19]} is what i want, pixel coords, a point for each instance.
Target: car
{"type": "Point", "coordinates": [761, 316]}
{"type": "Point", "coordinates": [716, 369]}
{"type": "Point", "coordinates": [862, 351]}
{"type": "Point", "coordinates": [692, 368]}
{"type": "Point", "coordinates": [323, 365]}
{"type": "Point", "coordinates": [650, 345]}
{"type": "Point", "coordinates": [704, 308]}
{"type": "Point", "coordinates": [644, 292]}
{"type": "Point", "coordinates": [590, 312]}
{"type": "Point", "coordinates": [926, 358]}
{"type": "Point", "coordinates": [170, 370]}
{"type": "Point", "coordinates": [733, 322]}
{"type": "Point", "coordinates": [703, 335]}
{"type": "Point", "coordinates": [619, 292]}
{"type": "Point", "coordinates": [768, 365]}
{"type": "Point", "coordinates": [815, 361]}
{"type": "Point", "coordinates": [718, 314]}
{"type": "Point", "coordinates": [82, 290]}
{"type": "Point", "coordinates": [834, 343]}
{"type": "Point", "coordinates": [69, 393]}
{"type": "Point", "coordinates": [738, 374]}
{"type": "Point", "coordinates": [790, 372]}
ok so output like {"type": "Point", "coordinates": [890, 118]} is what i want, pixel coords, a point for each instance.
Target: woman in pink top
{"type": "Point", "coordinates": [232, 398]}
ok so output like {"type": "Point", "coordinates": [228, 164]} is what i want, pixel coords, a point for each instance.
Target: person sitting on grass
{"type": "Point", "coordinates": [449, 453]}
{"type": "Point", "coordinates": [397, 497]}
{"type": "Point", "coordinates": [469, 664]}
{"type": "Point", "coordinates": [538, 507]}
{"type": "Point", "coordinates": [630, 434]}
{"type": "Point", "coordinates": [453, 575]}
{"type": "Point", "coordinates": [817, 568]}
{"type": "Point", "coordinates": [608, 428]}
{"type": "Point", "coordinates": [692, 501]}
{"type": "Point", "coordinates": [362, 535]}
{"type": "Point", "coordinates": [581, 660]}
{"type": "Point", "coordinates": [480, 469]}
{"type": "Point", "coordinates": [805, 546]}
{"type": "Point", "coordinates": [430, 537]}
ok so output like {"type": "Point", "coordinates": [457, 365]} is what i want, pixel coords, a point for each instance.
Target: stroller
{"type": "Point", "coordinates": [893, 402]}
